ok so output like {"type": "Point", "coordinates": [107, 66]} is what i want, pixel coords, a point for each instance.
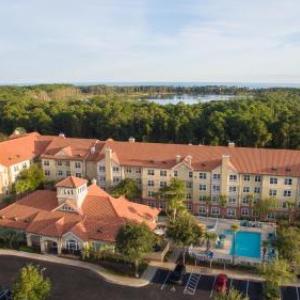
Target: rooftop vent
{"type": "Point", "coordinates": [131, 139]}
{"type": "Point", "coordinates": [93, 149]}
{"type": "Point", "coordinates": [62, 135]}
{"type": "Point", "coordinates": [231, 144]}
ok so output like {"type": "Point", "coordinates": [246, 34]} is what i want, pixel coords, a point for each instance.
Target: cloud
{"type": "Point", "coordinates": [149, 40]}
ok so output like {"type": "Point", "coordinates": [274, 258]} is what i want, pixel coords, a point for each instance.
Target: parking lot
{"type": "Point", "coordinates": [204, 288]}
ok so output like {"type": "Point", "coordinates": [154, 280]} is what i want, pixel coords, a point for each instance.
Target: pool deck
{"type": "Point", "coordinates": [219, 226]}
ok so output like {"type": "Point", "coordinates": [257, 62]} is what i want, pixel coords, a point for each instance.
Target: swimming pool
{"type": "Point", "coordinates": [245, 244]}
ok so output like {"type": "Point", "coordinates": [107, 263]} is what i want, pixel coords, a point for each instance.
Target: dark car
{"type": "Point", "coordinates": [178, 273]}
{"type": "Point", "coordinates": [221, 285]}
{"type": "Point", "coordinates": [5, 294]}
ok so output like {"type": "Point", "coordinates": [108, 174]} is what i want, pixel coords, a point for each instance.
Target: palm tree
{"type": "Point", "coordinates": [174, 195]}
{"type": "Point", "coordinates": [231, 295]}
{"type": "Point", "coordinates": [234, 228]}
{"type": "Point", "coordinates": [207, 204]}
{"type": "Point", "coordinates": [210, 237]}
{"type": "Point", "coordinates": [223, 203]}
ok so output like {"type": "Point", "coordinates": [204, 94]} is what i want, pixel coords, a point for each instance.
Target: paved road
{"type": "Point", "coordinates": [71, 283]}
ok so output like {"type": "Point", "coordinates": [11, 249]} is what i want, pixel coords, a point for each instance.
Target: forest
{"type": "Point", "coordinates": [267, 118]}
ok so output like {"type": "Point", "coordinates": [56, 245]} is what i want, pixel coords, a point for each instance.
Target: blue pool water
{"type": "Point", "coordinates": [245, 243]}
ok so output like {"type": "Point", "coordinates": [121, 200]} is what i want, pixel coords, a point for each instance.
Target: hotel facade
{"type": "Point", "coordinates": [241, 175]}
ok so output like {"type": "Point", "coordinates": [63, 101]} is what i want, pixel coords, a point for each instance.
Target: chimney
{"type": "Point", "coordinates": [93, 149]}
{"type": "Point", "coordinates": [178, 158]}
{"type": "Point", "coordinates": [231, 144]}
{"type": "Point", "coordinates": [62, 135]}
{"type": "Point", "coordinates": [94, 181]}
{"type": "Point", "coordinates": [131, 139]}
{"type": "Point", "coordinates": [189, 160]}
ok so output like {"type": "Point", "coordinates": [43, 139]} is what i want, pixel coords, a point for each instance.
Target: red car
{"type": "Point", "coordinates": [221, 285]}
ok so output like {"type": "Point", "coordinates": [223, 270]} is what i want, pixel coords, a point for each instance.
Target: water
{"type": "Point", "coordinates": [247, 244]}
{"type": "Point", "coordinates": [189, 99]}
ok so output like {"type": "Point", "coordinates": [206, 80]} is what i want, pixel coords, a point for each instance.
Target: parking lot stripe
{"type": "Point", "coordinates": [213, 287]}
{"type": "Point", "coordinates": [247, 288]}
{"type": "Point", "coordinates": [165, 282]}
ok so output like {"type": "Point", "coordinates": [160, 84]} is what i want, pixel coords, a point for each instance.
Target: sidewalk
{"type": "Point", "coordinates": [103, 273]}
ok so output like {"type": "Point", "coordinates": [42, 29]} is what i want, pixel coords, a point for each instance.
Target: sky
{"type": "Point", "coordinates": [149, 40]}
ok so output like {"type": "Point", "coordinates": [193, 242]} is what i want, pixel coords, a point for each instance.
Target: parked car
{"type": "Point", "coordinates": [221, 285]}
{"type": "Point", "coordinates": [178, 273]}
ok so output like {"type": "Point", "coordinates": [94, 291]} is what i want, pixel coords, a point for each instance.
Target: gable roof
{"type": "Point", "coordinates": [71, 182]}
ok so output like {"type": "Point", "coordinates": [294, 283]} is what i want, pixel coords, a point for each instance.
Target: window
{"type": "Point", "coordinates": [47, 172]}
{"type": "Point", "coordinates": [216, 176]}
{"type": "Point", "coordinates": [244, 211]}
{"type": "Point", "coordinates": [216, 188]}
{"type": "Point", "coordinates": [215, 211]}
{"type": "Point", "coordinates": [246, 189]}
{"type": "Point", "coordinates": [151, 172]}
{"type": "Point", "coordinates": [257, 190]}
{"type": "Point", "coordinates": [102, 168]}
{"type": "Point", "coordinates": [232, 189]}
{"type": "Point", "coordinates": [232, 177]}
{"type": "Point", "coordinates": [273, 180]}
{"type": "Point", "coordinates": [232, 200]}
{"type": "Point", "coordinates": [102, 179]}
{"type": "Point", "coordinates": [202, 210]}
{"type": "Point", "coordinates": [72, 245]}
{"type": "Point", "coordinates": [60, 173]}
{"type": "Point", "coordinates": [16, 168]}
{"type": "Point", "coordinates": [288, 181]}
{"type": "Point", "coordinates": [202, 187]}
{"type": "Point", "coordinates": [116, 179]}
{"type": "Point", "coordinates": [257, 178]}
{"type": "Point", "coordinates": [150, 183]}
{"type": "Point", "coordinates": [68, 173]}
{"type": "Point", "coordinates": [272, 192]}
{"type": "Point", "coordinates": [245, 200]}
{"type": "Point", "coordinates": [77, 165]}
{"type": "Point", "coordinates": [202, 198]}
{"type": "Point", "coordinates": [116, 169]}
{"type": "Point", "coordinates": [246, 177]}
{"type": "Point", "coordinates": [163, 173]}
{"type": "Point", "coordinates": [24, 166]}
{"type": "Point", "coordinates": [175, 173]}
{"type": "Point", "coordinates": [202, 175]}
{"type": "Point", "coordinates": [78, 175]}
{"type": "Point", "coordinates": [150, 193]}
{"type": "Point", "coordinates": [188, 196]}
{"type": "Point", "coordinates": [59, 163]}
{"type": "Point", "coordinates": [128, 170]}
{"type": "Point", "coordinates": [163, 184]}
{"type": "Point", "coordinates": [189, 206]}
{"type": "Point", "coordinates": [191, 174]}
{"type": "Point", "coordinates": [231, 212]}
{"type": "Point", "coordinates": [46, 162]}
{"type": "Point", "coordinates": [138, 171]}
{"type": "Point", "coordinates": [189, 184]}
{"type": "Point", "coordinates": [287, 193]}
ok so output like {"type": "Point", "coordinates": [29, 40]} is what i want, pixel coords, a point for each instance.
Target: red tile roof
{"type": "Point", "coordinates": [100, 218]}
{"type": "Point", "coordinates": [71, 182]}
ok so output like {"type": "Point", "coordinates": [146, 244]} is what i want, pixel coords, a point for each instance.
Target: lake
{"type": "Point", "coordinates": [188, 99]}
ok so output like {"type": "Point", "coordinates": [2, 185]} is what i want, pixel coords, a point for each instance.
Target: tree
{"type": "Point", "coordinates": [275, 273]}
{"type": "Point", "coordinates": [223, 202]}
{"type": "Point", "coordinates": [184, 231]}
{"type": "Point", "coordinates": [134, 241]}
{"type": "Point", "coordinates": [29, 179]}
{"type": "Point", "coordinates": [288, 244]}
{"type": "Point", "coordinates": [174, 195]}
{"type": "Point", "coordinates": [11, 238]}
{"type": "Point", "coordinates": [234, 228]}
{"type": "Point", "coordinates": [31, 284]}
{"type": "Point", "coordinates": [127, 188]}
{"type": "Point", "coordinates": [210, 237]}
{"type": "Point", "coordinates": [291, 210]}
{"type": "Point", "coordinates": [264, 206]}
{"type": "Point", "coordinates": [232, 294]}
